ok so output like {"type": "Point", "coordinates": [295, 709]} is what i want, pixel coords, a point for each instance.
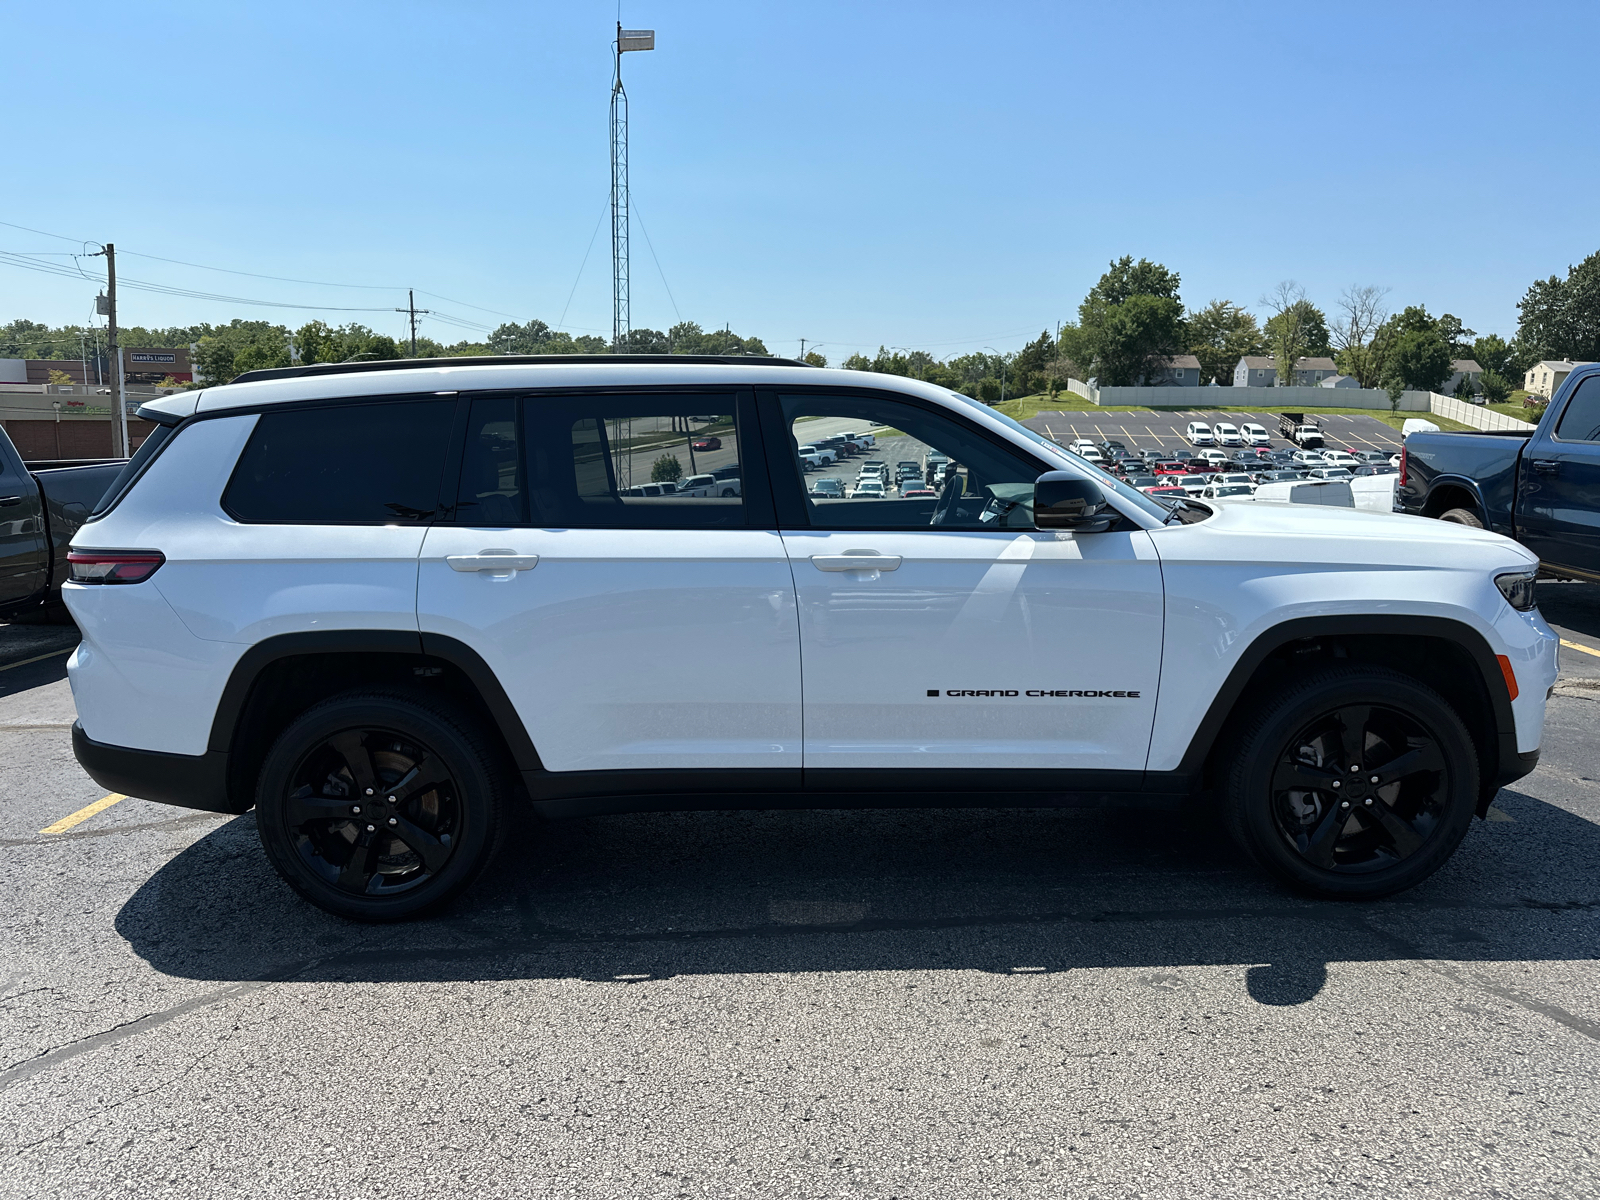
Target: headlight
{"type": "Point", "coordinates": [1517, 588]}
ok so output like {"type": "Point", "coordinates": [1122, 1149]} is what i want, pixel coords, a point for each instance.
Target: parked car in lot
{"type": "Point", "coordinates": [918, 492]}
{"type": "Point", "coordinates": [1299, 431]}
{"type": "Point", "coordinates": [666, 487]}
{"type": "Point", "coordinates": [1199, 434]}
{"type": "Point", "coordinates": [1227, 434]}
{"type": "Point", "coordinates": [868, 487]}
{"type": "Point", "coordinates": [1228, 491]}
{"type": "Point", "coordinates": [1340, 458]}
{"type": "Point", "coordinates": [1543, 488]}
{"type": "Point", "coordinates": [1192, 484]}
{"type": "Point", "coordinates": [1171, 467]}
{"type": "Point", "coordinates": [1211, 460]}
{"type": "Point", "coordinates": [706, 443]}
{"type": "Point", "coordinates": [1376, 469]}
{"type": "Point", "coordinates": [1092, 454]}
{"type": "Point", "coordinates": [1255, 435]}
{"type": "Point", "coordinates": [809, 460]}
{"type": "Point", "coordinates": [1142, 482]}
{"type": "Point", "coordinates": [823, 455]}
{"type": "Point", "coordinates": [44, 504]}
{"type": "Point", "coordinates": [828, 488]}
{"type": "Point", "coordinates": [1371, 456]}
{"type": "Point", "coordinates": [708, 485]}
{"type": "Point", "coordinates": [1308, 458]}
{"type": "Point", "coordinates": [373, 632]}
{"type": "Point", "coordinates": [1229, 478]}
{"type": "Point", "coordinates": [934, 461]}
{"type": "Point", "coordinates": [1339, 472]}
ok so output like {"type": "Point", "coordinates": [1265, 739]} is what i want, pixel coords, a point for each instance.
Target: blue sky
{"type": "Point", "coordinates": [931, 175]}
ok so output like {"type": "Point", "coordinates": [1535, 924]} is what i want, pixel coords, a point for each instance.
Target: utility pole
{"type": "Point", "coordinates": [411, 307]}
{"type": "Point", "coordinates": [119, 426]}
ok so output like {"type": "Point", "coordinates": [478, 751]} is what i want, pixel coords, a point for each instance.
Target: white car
{"type": "Point", "coordinates": [1255, 435]}
{"type": "Point", "coordinates": [1215, 457]}
{"type": "Point", "coordinates": [1340, 458]}
{"type": "Point", "coordinates": [1309, 458]}
{"type": "Point", "coordinates": [1082, 444]}
{"type": "Point", "coordinates": [1091, 454]}
{"type": "Point", "coordinates": [1193, 484]}
{"type": "Point", "coordinates": [1199, 434]}
{"type": "Point", "coordinates": [328, 594]}
{"type": "Point", "coordinates": [1227, 434]}
{"type": "Point", "coordinates": [824, 454]}
{"type": "Point", "coordinates": [1229, 491]}
{"type": "Point", "coordinates": [869, 489]}
{"type": "Point", "coordinates": [1232, 479]}
{"type": "Point", "coordinates": [708, 485]}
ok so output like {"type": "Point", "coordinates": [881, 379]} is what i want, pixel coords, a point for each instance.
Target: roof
{"type": "Point", "coordinates": [1315, 364]}
{"type": "Point", "coordinates": [1257, 363]}
{"type": "Point", "coordinates": [1559, 364]}
{"type": "Point", "coordinates": [1464, 365]}
{"type": "Point", "coordinates": [414, 376]}
{"type": "Point", "coordinates": [1185, 362]}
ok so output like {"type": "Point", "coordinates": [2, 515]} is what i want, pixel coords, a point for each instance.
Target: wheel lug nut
{"type": "Point", "coordinates": [1374, 779]}
{"type": "Point", "coordinates": [392, 800]}
{"type": "Point", "coordinates": [372, 828]}
{"type": "Point", "coordinates": [393, 821]}
{"type": "Point", "coordinates": [369, 791]}
{"type": "Point", "coordinates": [1355, 768]}
{"type": "Point", "coordinates": [355, 808]}
{"type": "Point", "coordinates": [1335, 783]}
{"type": "Point", "coordinates": [1345, 804]}
{"type": "Point", "coordinates": [1369, 801]}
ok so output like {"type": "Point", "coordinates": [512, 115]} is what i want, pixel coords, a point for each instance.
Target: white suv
{"type": "Point", "coordinates": [383, 603]}
{"type": "Point", "coordinates": [1199, 434]}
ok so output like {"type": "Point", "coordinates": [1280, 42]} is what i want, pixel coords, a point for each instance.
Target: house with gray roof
{"type": "Point", "coordinates": [1181, 370]}
{"type": "Point", "coordinates": [1543, 378]}
{"type": "Point", "coordinates": [1259, 371]}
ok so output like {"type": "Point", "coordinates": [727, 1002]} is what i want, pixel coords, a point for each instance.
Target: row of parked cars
{"type": "Point", "coordinates": [1202, 472]}
{"type": "Point", "coordinates": [875, 480]}
{"type": "Point", "coordinates": [722, 482]}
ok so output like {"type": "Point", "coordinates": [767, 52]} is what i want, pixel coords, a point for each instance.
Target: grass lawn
{"type": "Point", "coordinates": [1024, 407]}
{"type": "Point", "coordinates": [1513, 408]}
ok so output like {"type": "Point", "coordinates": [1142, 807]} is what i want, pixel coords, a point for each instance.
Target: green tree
{"type": "Point", "coordinates": [857, 362]}
{"type": "Point", "coordinates": [1130, 321]}
{"type": "Point", "coordinates": [1297, 328]}
{"type": "Point", "coordinates": [1314, 339]}
{"type": "Point", "coordinates": [1419, 360]}
{"type": "Point", "coordinates": [815, 359]}
{"type": "Point", "coordinates": [1496, 388]}
{"type": "Point", "coordinates": [1220, 334]}
{"type": "Point", "coordinates": [1560, 318]}
{"type": "Point", "coordinates": [1493, 354]}
{"type": "Point", "coordinates": [665, 469]}
{"type": "Point", "coordinates": [1359, 353]}
{"type": "Point", "coordinates": [1027, 369]}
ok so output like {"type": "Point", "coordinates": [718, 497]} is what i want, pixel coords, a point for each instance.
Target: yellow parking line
{"type": "Point", "coordinates": [83, 814]}
{"type": "Point", "coordinates": [1576, 646]}
{"type": "Point", "coordinates": [37, 658]}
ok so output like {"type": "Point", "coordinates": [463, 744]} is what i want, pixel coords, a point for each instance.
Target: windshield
{"type": "Point", "coordinates": [1134, 499]}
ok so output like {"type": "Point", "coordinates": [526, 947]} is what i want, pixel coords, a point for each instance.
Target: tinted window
{"type": "Point", "coordinates": [356, 464]}
{"type": "Point", "coordinates": [491, 491]}
{"type": "Point", "coordinates": [1581, 420]}
{"type": "Point", "coordinates": [592, 461]}
{"type": "Point", "coordinates": [148, 449]}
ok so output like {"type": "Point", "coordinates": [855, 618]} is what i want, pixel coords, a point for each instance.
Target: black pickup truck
{"type": "Point", "coordinates": [1541, 488]}
{"type": "Point", "coordinates": [41, 506]}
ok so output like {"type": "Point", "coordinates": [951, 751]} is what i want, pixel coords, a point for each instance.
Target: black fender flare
{"type": "Point", "coordinates": [1466, 484]}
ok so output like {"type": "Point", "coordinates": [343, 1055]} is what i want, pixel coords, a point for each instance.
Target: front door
{"type": "Point", "coordinates": [1558, 498]}
{"type": "Point", "coordinates": [631, 631]}
{"type": "Point", "coordinates": [939, 630]}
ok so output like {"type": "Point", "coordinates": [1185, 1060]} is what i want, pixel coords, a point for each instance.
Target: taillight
{"type": "Point", "coordinates": [113, 566]}
{"type": "Point", "coordinates": [1402, 464]}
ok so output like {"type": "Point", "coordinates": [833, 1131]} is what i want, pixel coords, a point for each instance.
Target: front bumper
{"type": "Point", "coordinates": [186, 780]}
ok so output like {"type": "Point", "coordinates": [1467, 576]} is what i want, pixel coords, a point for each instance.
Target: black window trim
{"type": "Point", "coordinates": [791, 507]}
{"type": "Point", "coordinates": [1566, 408]}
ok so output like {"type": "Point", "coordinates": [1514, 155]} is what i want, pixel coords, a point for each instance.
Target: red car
{"type": "Point", "coordinates": [1164, 491]}
{"type": "Point", "coordinates": [1171, 468]}
{"type": "Point", "coordinates": [707, 443]}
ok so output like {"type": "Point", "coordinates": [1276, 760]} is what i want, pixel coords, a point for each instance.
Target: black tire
{"type": "Point", "coordinates": [1462, 516]}
{"type": "Point", "coordinates": [1341, 836]}
{"type": "Point", "coordinates": [324, 814]}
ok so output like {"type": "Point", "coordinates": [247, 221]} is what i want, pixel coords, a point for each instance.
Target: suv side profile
{"type": "Point", "coordinates": [381, 604]}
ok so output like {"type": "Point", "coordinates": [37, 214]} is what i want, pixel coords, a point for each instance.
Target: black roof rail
{"type": "Point", "coordinates": [508, 360]}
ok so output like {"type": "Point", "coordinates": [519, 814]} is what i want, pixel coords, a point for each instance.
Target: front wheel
{"type": "Point", "coordinates": [378, 806]}
{"type": "Point", "coordinates": [1354, 783]}
{"type": "Point", "coordinates": [1462, 516]}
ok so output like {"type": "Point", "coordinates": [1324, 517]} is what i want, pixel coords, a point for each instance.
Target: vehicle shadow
{"type": "Point", "coordinates": [637, 898]}
{"type": "Point", "coordinates": [1574, 606]}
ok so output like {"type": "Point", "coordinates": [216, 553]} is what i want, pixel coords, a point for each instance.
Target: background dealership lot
{"type": "Point", "coordinates": [825, 1003]}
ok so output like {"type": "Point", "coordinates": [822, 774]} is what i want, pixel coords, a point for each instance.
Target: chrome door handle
{"type": "Point", "coordinates": [856, 560]}
{"type": "Point", "coordinates": [1547, 466]}
{"type": "Point", "coordinates": [501, 562]}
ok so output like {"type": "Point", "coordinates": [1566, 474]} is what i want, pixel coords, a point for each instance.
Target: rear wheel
{"type": "Point", "coordinates": [1354, 783]}
{"type": "Point", "coordinates": [1462, 516]}
{"type": "Point", "coordinates": [378, 806]}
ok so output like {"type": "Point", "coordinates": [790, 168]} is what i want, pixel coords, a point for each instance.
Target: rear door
{"type": "Point", "coordinates": [1558, 499]}
{"type": "Point", "coordinates": [653, 636]}
{"type": "Point", "coordinates": [944, 634]}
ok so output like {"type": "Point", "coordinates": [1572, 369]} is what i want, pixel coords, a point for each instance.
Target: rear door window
{"type": "Point", "coordinates": [344, 464]}
{"type": "Point", "coordinates": [1581, 420]}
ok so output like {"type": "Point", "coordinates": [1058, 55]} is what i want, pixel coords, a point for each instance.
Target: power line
{"type": "Point", "coordinates": [561, 324]}
{"type": "Point", "coordinates": [657, 261]}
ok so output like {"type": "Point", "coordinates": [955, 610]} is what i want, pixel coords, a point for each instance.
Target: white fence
{"type": "Point", "coordinates": [1277, 399]}
{"type": "Point", "coordinates": [1473, 415]}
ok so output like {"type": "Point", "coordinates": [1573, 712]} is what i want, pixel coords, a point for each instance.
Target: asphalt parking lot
{"type": "Point", "coordinates": [910, 1003]}
{"type": "Point", "coordinates": [1164, 431]}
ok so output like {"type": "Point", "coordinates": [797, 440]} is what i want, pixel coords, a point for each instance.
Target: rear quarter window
{"type": "Point", "coordinates": [348, 464]}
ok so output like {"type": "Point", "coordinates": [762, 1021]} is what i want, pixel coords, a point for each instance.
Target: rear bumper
{"type": "Point", "coordinates": [188, 781]}
{"type": "Point", "coordinates": [1514, 766]}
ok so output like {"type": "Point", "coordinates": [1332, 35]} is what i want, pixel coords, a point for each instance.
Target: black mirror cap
{"type": "Point", "coordinates": [1061, 500]}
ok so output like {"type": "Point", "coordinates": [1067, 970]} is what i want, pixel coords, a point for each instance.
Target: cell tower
{"type": "Point", "coordinates": [621, 316]}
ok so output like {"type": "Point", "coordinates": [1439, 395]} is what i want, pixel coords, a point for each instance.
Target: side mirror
{"type": "Point", "coordinates": [1063, 501]}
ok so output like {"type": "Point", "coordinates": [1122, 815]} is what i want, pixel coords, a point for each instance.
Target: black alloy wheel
{"type": "Point", "coordinates": [377, 806]}
{"type": "Point", "coordinates": [1352, 782]}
